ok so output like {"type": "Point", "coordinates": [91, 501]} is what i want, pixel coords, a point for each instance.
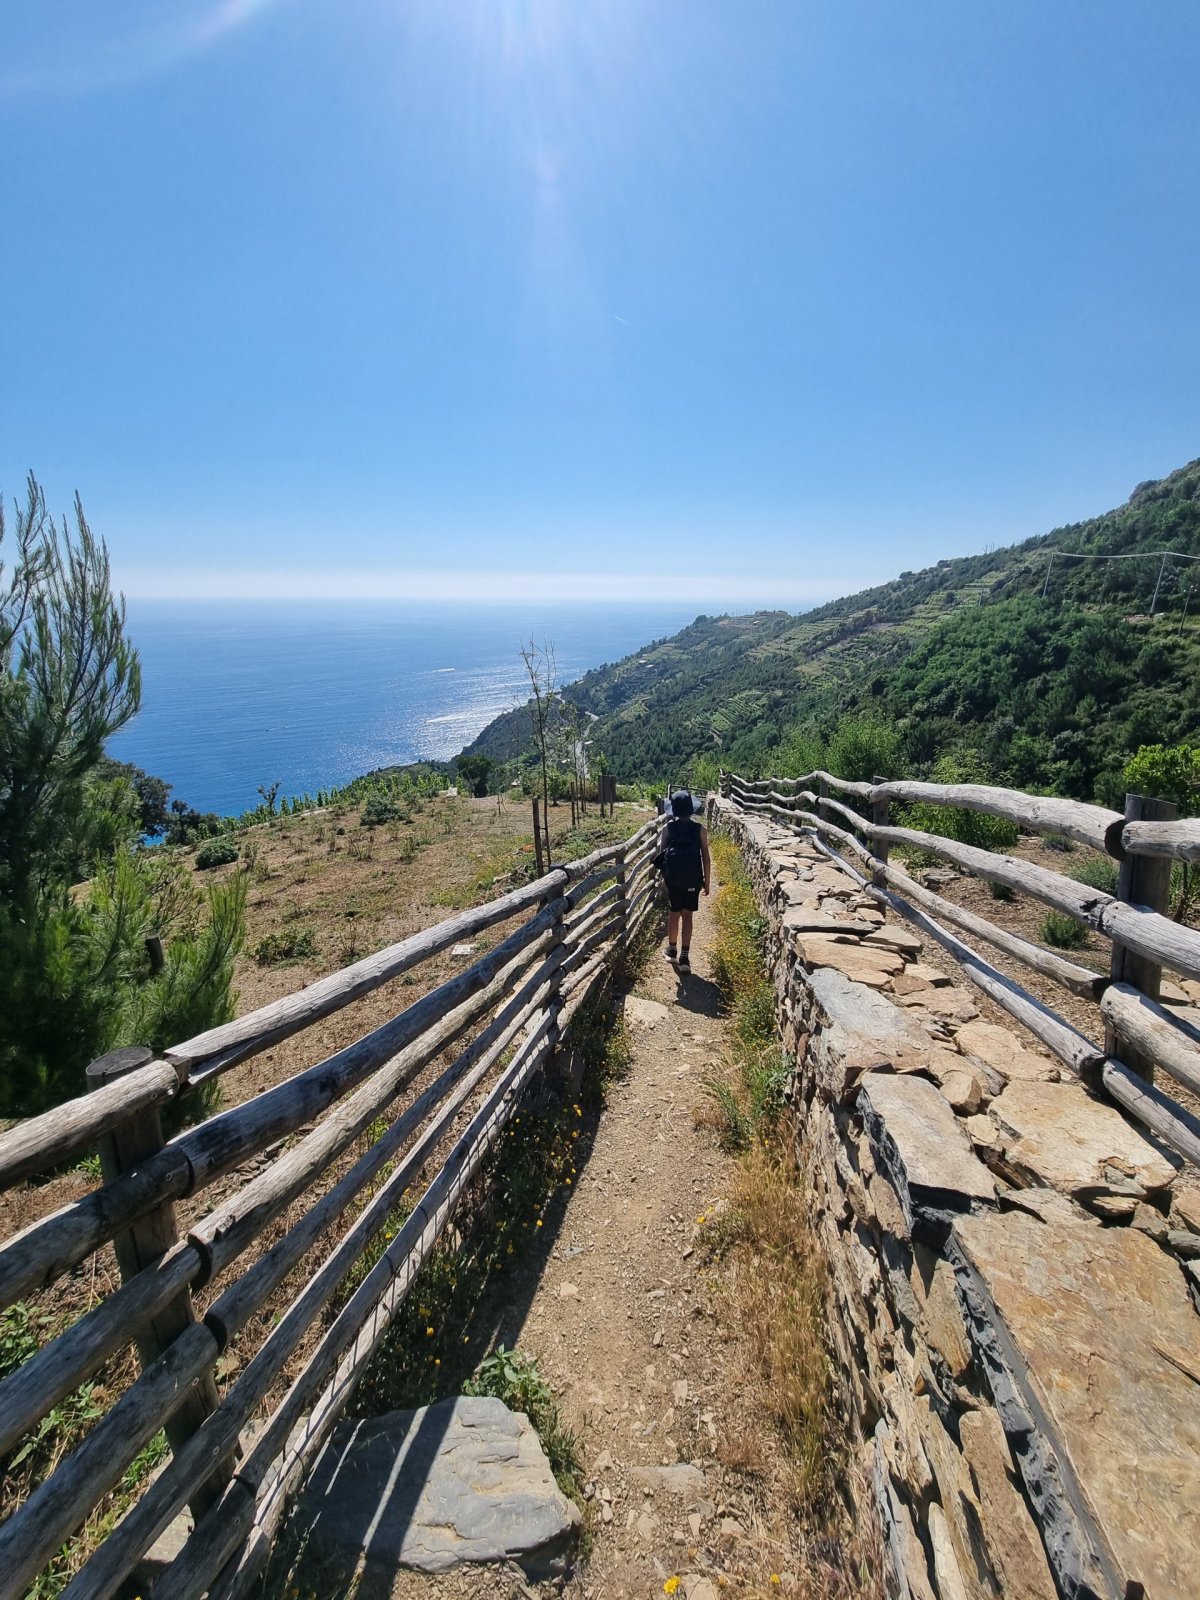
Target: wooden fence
{"type": "Point", "coordinates": [232, 1465]}
{"type": "Point", "coordinates": [1140, 1034]}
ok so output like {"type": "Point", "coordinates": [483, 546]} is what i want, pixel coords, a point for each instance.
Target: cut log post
{"type": "Point", "coordinates": [538, 856]}
{"type": "Point", "coordinates": [880, 817]}
{"type": "Point", "coordinates": [145, 1244]}
{"type": "Point", "coordinates": [622, 901]}
{"type": "Point", "coordinates": [1143, 881]}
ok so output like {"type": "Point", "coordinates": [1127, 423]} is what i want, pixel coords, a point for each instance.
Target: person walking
{"type": "Point", "coordinates": [687, 868]}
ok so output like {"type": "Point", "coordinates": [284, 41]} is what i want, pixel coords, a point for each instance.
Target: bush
{"type": "Point", "coordinates": [379, 810]}
{"type": "Point", "coordinates": [216, 853]}
{"type": "Point", "coordinates": [293, 944]}
{"type": "Point", "coordinates": [1001, 891]}
{"type": "Point", "coordinates": [1100, 873]}
{"type": "Point", "coordinates": [1063, 932]}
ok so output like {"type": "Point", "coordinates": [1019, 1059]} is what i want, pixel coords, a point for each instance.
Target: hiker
{"type": "Point", "coordinates": [687, 868]}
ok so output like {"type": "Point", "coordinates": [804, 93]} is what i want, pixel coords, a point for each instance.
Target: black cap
{"type": "Point", "coordinates": [682, 804]}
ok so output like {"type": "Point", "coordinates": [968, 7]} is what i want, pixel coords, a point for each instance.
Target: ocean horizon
{"type": "Point", "coordinates": [310, 693]}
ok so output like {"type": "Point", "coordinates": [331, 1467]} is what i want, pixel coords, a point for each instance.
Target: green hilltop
{"type": "Point", "coordinates": [1030, 663]}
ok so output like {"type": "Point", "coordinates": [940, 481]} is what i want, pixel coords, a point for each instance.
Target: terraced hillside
{"type": "Point", "coordinates": [1045, 612]}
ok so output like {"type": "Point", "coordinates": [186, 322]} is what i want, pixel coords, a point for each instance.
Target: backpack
{"type": "Point", "coordinates": [679, 860]}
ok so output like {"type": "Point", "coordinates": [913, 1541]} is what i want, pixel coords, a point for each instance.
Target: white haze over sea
{"type": "Point", "coordinates": [311, 694]}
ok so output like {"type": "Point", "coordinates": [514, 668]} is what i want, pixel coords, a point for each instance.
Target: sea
{"type": "Point", "coordinates": [310, 694]}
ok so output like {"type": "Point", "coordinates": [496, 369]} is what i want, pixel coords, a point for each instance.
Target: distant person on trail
{"type": "Point", "coordinates": [687, 868]}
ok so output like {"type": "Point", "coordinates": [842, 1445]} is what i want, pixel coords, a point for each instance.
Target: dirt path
{"type": "Point", "coordinates": [622, 1318]}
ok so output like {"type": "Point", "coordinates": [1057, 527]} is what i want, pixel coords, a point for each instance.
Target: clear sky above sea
{"type": "Point", "coordinates": [707, 298]}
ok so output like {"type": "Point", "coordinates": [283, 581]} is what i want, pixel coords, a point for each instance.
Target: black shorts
{"type": "Point", "coordinates": [683, 899]}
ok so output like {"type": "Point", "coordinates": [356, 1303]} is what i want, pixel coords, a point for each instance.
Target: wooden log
{"type": "Point", "coordinates": [1065, 1042]}
{"type": "Point", "coordinates": [228, 1230]}
{"type": "Point", "coordinates": [1145, 882]}
{"type": "Point", "coordinates": [35, 1387]}
{"type": "Point", "coordinates": [319, 1393]}
{"type": "Point", "coordinates": [229, 1314]}
{"type": "Point", "coordinates": [147, 1241]}
{"type": "Point", "coordinates": [579, 892]}
{"type": "Point", "coordinates": [1086, 824]}
{"type": "Point", "coordinates": [596, 911]}
{"type": "Point", "coordinates": [220, 1048]}
{"type": "Point", "coordinates": [1166, 1118]}
{"type": "Point", "coordinates": [1154, 1033]}
{"type": "Point", "coordinates": [223, 1141]}
{"type": "Point", "coordinates": [42, 1252]}
{"type": "Point", "coordinates": [173, 1486]}
{"type": "Point", "coordinates": [59, 1505]}
{"type": "Point", "coordinates": [68, 1130]}
{"type": "Point", "coordinates": [1179, 841]}
{"type": "Point", "coordinates": [1079, 980]}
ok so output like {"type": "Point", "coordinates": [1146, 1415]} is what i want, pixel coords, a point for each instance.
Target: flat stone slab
{"type": "Point", "coordinates": [1086, 1328]}
{"type": "Point", "coordinates": [859, 1030]}
{"type": "Point", "coordinates": [893, 937]}
{"type": "Point", "coordinates": [463, 1480]}
{"type": "Point", "coordinates": [858, 962]}
{"type": "Point", "coordinates": [1006, 1051]}
{"type": "Point", "coordinates": [805, 919]}
{"type": "Point", "coordinates": [1060, 1136]}
{"type": "Point", "coordinates": [923, 1149]}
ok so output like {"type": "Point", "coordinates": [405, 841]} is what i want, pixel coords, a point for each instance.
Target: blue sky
{"type": "Point", "coordinates": [746, 300]}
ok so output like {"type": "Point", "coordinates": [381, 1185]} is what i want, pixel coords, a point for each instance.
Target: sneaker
{"type": "Point", "coordinates": [670, 952]}
{"type": "Point", "coordinates": [685, 964]}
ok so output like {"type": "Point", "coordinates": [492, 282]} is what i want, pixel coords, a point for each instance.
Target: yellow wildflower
{"type": "Point", "coordinates": [429, 1333]}
{"type": "Point", "coordinates": [672, 1583]}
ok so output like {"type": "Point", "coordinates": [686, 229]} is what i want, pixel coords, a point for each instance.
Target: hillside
{"type": "Point", "coordinates": [1040, 659]}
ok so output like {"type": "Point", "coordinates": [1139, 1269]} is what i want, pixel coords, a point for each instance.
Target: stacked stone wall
{"type": "Point", "coordinates": [1013, 1267]}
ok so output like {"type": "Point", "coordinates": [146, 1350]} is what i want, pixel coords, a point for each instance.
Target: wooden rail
{"type": "Point", "coordinates": [1140, 1034]}
{"type": "Point", "coordinates": [490, 1028]}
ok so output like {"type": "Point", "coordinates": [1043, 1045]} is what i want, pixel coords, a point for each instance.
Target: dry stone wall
{"type": "Point", "coordinates": [1013, 1267]}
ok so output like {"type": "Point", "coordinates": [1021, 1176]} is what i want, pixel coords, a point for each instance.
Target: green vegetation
{"type": "Point", "coordinates": [292, 944]}
{"type": "Point", "coordinates": [513, 1376]}
{"type": "Point", "coordinates": [78, 896]}
{"type": "Point", "coordinates": [474, 772]}
{"type": "Point", "coordinates": [216, 853]}
{"type": "Point", "coordinates": [749, 1104]}
{"type": "Point", "coordinates": [1035, 667]}
{"type": "Point", "coordinates": [1063, 932]}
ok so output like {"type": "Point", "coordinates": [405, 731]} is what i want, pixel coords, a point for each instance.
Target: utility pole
{"type": "Point", "coordinates": [1157, 586]}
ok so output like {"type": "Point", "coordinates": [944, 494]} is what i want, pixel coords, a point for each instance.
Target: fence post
{"type": "Point", "coordinates": [1143, 881]}
{"type": "Point", "coordinates": [880, 811]}
{"type": "Point", "coordinates": [537, 840]}
{"type": "Point", "coordinates": [622, 899]}
{"type": "Point", "coordinates": [149, 1238]}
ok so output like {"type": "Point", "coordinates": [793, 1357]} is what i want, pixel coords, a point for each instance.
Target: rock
{"type": "Point", "coordinates": [462, 952]}
{"type": "Point", "coordinates": [1010, 1535]}
{"type": "Point", "coordinates": [1002, 1050]}
{"type": "Point", "coordinates": [463, 1480]}
{"type": "Point", "coordinates": [1172, 994]}
{"type": "Point", "coordinates": [944, 1326]}
{"type": "Point", "coordinates": [1105, 1429]}
{"type": "Point", "coordinates": [802, 920]}
{"type": "Point", "coordinates": [905, 983]}
{"type": "Point", "coordinates": [860, 1030]}
{"type": "Point", "coordinates": [680, 1391]}
{"type": "Point", "coordinates": [983, 1131]}
{"type": "Point", "coordinates": [891, 936]}
{"type": "Point", "coordinates": [919, 1144]}
{"type": "Point", "coordinates": [1058, 1135]}
{"type": "Point", "coordinates": [854, 960]}
{"type": "Point", "coordinates": [683, 1480]}
{"type": "Point", "coordinates": [950, 1002]}
{"type": "Point", "coordinates": [945, 1563]}
{"type": "Point", "coordinates": [1185, 1209]}
{"type": "Point", "coordinates": [698, 1587]}
{"type": "Point", "coordinates": [1184, 1243]}
{"type": "Point", "coordinates": [935, 978]}
{"type": "Point", "coordinates": [1150, 1222]}
{"type": "Point", "coordinates": [568, 1291]}
{"type": "Point", "coordinates": [963, 1091]}
{"type": "Point", "coordinates": [643, 1013]}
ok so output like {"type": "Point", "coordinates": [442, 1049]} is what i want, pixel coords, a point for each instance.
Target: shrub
{"type": "Point", "coordinates": [378, 810]}
{"type": "Point", "coordinates": [1001, 891]}
{"type": "Point", "coordinates": [216, 853]}
{"type": "Point", "coordinates": [1063, 932]}
{"type": "Point", "coordinates": [292, 944]}
{"type": "Point", "coordinates": [1060, 842]}
{"type": "Point", "coordinates": [1099, 873]}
